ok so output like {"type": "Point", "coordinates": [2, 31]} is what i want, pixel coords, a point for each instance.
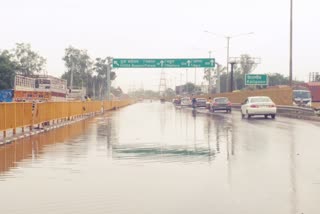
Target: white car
{"type": "Point", "coordinates": [186, 101]}
{"type": "Point", "coordinates": [258, 106]}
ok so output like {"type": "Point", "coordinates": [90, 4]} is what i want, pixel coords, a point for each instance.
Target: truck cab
{"type": "Point", "coordinates": [302, 97]}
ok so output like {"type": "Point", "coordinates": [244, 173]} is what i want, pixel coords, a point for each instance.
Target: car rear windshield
{"type": "Point", "coordinates": [221, 100]}
{"type": "Point", "coordinates": [260, 100]}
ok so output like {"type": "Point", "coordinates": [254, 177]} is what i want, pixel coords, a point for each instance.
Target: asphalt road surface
{"type": "Point", "coordinates": [155, 158]}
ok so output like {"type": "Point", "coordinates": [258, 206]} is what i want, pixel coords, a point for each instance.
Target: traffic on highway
{"type": "Point", "coordinates": [251, 107]}
{"type": "Point", "coordinates": [159, 107]}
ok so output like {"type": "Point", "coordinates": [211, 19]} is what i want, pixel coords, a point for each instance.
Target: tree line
{"type": "Point", "coordinates": [87, 72]}
{"type": "Point", "coordinates": [19, 60]}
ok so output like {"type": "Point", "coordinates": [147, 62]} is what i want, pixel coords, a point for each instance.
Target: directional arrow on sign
{"type": "Point", "coordinates": [116, 63]}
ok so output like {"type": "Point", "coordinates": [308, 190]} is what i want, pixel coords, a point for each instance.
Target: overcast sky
{"type": "Point", "coordinates": [168, 29]}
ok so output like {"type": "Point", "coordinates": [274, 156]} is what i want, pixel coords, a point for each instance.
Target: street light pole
{"type": "Point", "coordinates": [290, 58]}
{"type": "Point", "coordinates": [228, 46]}
{"type": "Point", "coordinates": [231, 76]}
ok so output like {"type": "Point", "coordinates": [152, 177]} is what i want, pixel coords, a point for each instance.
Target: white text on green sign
{"type": "Point", "coordinates": [164, 63]}
{"type": "Point", "coordinates": [256, 79]}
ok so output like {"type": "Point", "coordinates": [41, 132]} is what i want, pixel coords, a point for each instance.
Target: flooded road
{"type": "Point", "coordinates": [154, 158]}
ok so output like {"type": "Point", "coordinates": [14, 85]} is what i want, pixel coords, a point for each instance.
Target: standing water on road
{"type": "Point", "coordinates": [154, 158]}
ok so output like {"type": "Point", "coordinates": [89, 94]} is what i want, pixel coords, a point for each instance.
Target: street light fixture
{"type": "Point", "coordinates": [290, 51]}
{"type": "Point", "coordinates": [228, 37]}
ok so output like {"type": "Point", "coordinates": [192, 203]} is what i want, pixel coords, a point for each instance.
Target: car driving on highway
{"type": "Point", "coordinates": [201, 102]}
{"type": "Point", "coordinates": [220, 103]}
{"type": "Point", "coordinates": [186, 101]}
{"type": "Point", "coordinates": [262, 105]}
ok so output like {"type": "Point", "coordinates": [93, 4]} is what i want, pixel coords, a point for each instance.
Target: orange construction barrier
{"type": "Point", "coordinates": [16, 115]}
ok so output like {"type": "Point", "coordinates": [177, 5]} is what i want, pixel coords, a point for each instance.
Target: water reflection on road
{"type": "Point", "coordinates": [155, 158]}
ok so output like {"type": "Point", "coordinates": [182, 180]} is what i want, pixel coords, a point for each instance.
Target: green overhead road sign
{"type": "Point", "coordinates": [164, 63]}
{"type": "Point", "coordinates": [256, 79]}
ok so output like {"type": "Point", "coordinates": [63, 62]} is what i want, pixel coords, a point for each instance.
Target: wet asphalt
{"type": "Point", "coordinates": [156, 158]}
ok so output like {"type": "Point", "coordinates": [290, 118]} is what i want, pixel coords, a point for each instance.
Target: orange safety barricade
{"type": "Point", "coordinates": [15, 115]}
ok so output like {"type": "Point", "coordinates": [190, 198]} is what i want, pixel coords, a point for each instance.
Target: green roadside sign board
{"type": "Point", "coordinates": [256, 79]}
{"type": "Point", "coordinates": [164, 63]}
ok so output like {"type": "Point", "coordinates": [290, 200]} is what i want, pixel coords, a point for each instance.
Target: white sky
{"type": "Point", "coordinates": [165, 29]}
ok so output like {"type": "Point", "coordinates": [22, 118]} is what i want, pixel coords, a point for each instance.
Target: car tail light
{"type": "Point", "coordinates": [254, 106]}
{"type": "Point", "coordinates": [229, 103]}
{"type": "Point", "coordinates": [272, 106]}
{"type": "Point", "coordinates": [214, 103]}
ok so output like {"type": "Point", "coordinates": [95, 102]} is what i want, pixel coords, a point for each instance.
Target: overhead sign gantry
{"type": "Point", "coordinates": [157, 63]}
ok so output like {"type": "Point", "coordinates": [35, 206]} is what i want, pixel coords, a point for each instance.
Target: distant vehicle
{"type": "Point", "coordinates": [302, 98]}
{"type": "Point", "coordinates": [162, 100]}
{"type": "Point", "coordinates": [220, 103]}
{"type": "Point", "coordinates": [253, 106]}
{"type": "Point", "coordinates": [201, 102]}
{"type": "Point", "coordinates": [186, 101]}
{"type": "Point", "coordinates": [176, 101]}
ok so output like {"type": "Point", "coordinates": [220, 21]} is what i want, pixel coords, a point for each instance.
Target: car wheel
{"type": "Point", "coordinates": [266, 116]}
{"type": "Point", "coordinates": [248, 115]}
{"type": "Point", "coordinates": [273, 116]}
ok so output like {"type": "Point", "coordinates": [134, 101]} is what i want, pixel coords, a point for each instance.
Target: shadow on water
{"type": "Point", "coordinates": [172, 153]}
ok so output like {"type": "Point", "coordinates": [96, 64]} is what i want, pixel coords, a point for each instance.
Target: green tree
{"type": "Point", "coordinates": [223, 80]}
{"type": "Point", "coordinates": [80, 64]}
{"type": "Point", "coordinates": [7, 70]}
{"type": "Point", "coordinates": [245, 66]}
{"type": "Point", "coordinates": [170, 92]}
{"type": "Point", "coordinates": [219, 69]}
{"type": "Point", "coordinates": [101, 68]}
{"type": "Point", "coordinates": [277, 79]}
{"type": "Point", "coordinates": [28, 62]}
{"type": "Point", "coordinates": [191, 88]}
